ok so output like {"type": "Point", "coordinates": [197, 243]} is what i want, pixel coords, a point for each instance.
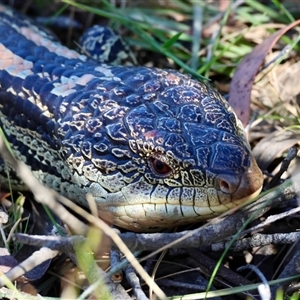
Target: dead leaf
{"type": "Point", "coordinates": [242, 81]}
{"type": "Point", "coordinates": [272, 146]}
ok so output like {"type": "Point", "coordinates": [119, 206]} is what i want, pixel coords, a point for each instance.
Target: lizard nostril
{"type": "Point", "coordinates": [224, 186]}
{"type": "Point", "coordinates": [227, 184]}
{"type": "Point", "coordinates": [240, 187]}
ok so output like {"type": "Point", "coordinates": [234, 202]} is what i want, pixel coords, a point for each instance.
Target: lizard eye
{"type": "Point", "coordinates": [160, 167]}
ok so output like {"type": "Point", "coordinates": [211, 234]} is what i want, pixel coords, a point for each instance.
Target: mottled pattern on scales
{"type": "Point", "coordinates": [155, 148]}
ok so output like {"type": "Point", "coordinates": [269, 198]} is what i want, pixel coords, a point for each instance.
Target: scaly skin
{"type": "Point", "coordinates": [155, 148]}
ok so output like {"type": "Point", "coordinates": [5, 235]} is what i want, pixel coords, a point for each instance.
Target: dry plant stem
{"type": "Point", "coordinates": [293, 248]}
{"type": "Point", "coordinates": [207, 265]}
{"type": "Point", "coordinates": [258, 240]}
{"type": "Point", "coordinates": [134, 282]}
{"type": "Point", "coordinates": [291, 269]}
{"type": "Point", "coordinates": [118, 243]}
{"type": "Point", "coordinates": [116, 290]}
{"type": "Point", "coordinates": [283, 52]}
{"type": "Point", "coordinates": [66, 245]}
{"type": "Point", "coordinates": [115, 258]}
{"type": "Point", "coordinates": [11, 232]}
{"type": "Point", "coordinates": [50, 198]}
{"type": "Point", "coordinates": [270, 220]}
{"type": "Point", "coordinates": [115, 262]}
{"type": "Point", "coordinates": [149, 263]}
{"type": "Point", "coordinates": [264, 288]}
{"type": "Point", "coordinates": [197, 34]}
{"type": "Point", "coordinates": [155, 268]}
{"type": "Point", "coordinates": [62, 244]}
{"type": "Point", "coordinates": [30, 263]}
{"type": "Point", "coordinates": [92, 272]}
{"type": "Point", "coordinates": [123, 263]}
{"type": "Point", "coordinates": [70, 28]}
{"type": "Point", "coordinates": [220, 15]}
{"type": "Point", "coordinates": [293, 288]}
{"type": "Point", "coordinates": [6, 293]}
{"type": "Point", "coordinates": [292, 154]}
{"type": "Point", "coordinates": [192, 287]}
